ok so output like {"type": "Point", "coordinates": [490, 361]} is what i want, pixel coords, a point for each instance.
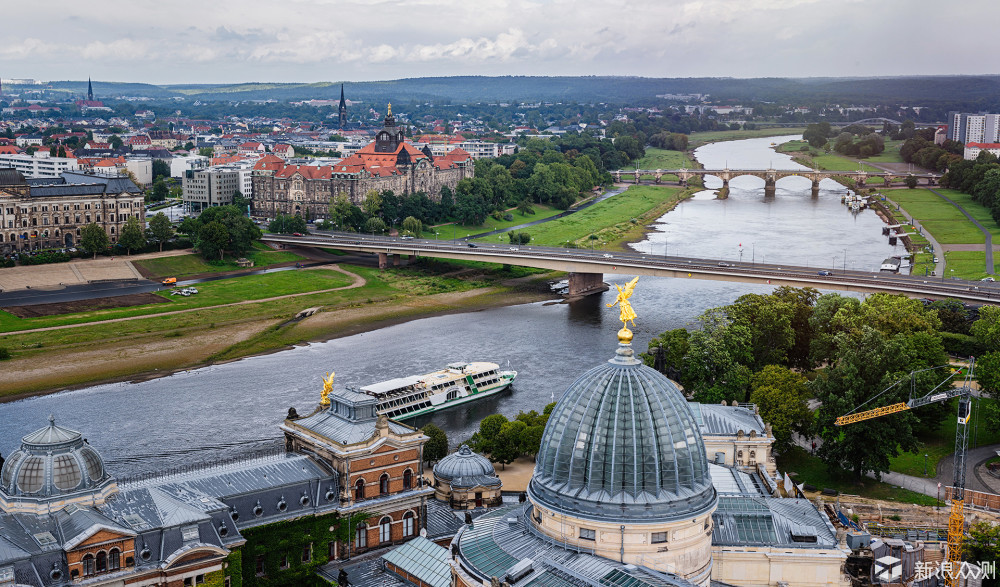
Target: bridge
{"type": "Point", "coordinates": [587, 267]}
{"type": "Point", "coordinates": [771, 176]}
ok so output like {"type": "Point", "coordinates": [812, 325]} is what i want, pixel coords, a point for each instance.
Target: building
{"type": "Point", "coordinates": [388, 163]}
{"type": "Point", "coordinates": [342, 109]}
{"type": "Point", "coordinates": [283, 150]}
{"type": "Point", "coordinates": [736, 435]}
{"type": "Point", "coordinates": [466, 480]}
{"type": "Point", "coordinates": [41, 164]}
{"type": "Point", "coordinates": [972, 150]}
{"type": "Point", "coordinates": [973, 128]}
{"type": "Point", "coordinates": [50, 212]}
{"type": "Point", "coordinates": [209, 187]}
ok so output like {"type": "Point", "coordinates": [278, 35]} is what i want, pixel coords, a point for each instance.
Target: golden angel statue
{"type": "Point", "coordinates": [327, 389]}
{"type": "Point", "coordinates": [627, 314]}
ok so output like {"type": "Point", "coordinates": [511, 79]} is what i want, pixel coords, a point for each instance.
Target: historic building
{"type": "Point", "coordinates": [388, 163]}
{"type": "Point", "coordinates": [50, 212]}
{"type": "Point", "coordinates": [466, 480]}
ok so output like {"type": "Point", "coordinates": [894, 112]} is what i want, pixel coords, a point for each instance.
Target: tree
{"type": "Point", "coordinates": [489, 428]}
{"type": "Point", "coordinates": [240, 201]}
{"type": "Point", "coordinates": [372, 203]}
{"type": "Point", "coordinates": [161, 169]}
{"type": "Point", "coordinates": [780, 395]}
{"type": "Point", "coordinates": [769, 323]}
{"type": "Point", "coordinates": [437, 447]}
{"type": "Point", "coordinates": [160, 229]}
{"type": "Point", "coordinates": [375, 225]}
{"type": "Point", "coordinates": [987, 328]}
{"type": "Point", "coordinates": [412, 226]}
{"type": "Point", "coordinates": [116, 142]}
{"type": "Point", "coordinates": [213, 238]}
{"type": "Point", "coordinates": [94, 239]}
{"type": "Point", "coordinates": [159, 191]}
{"type": "Point", "coordinates": [910, 181]}
{"type": "Point", "coordinates": [524, 207]}
{"type": "Point", "coordinates": [984, 545]}
{"type": "Point", "coordinates": [132, 236]}
{"type": "Point", "coordinates": [287, 224]}
{"type": "Point", "coordinates": [509, 443]}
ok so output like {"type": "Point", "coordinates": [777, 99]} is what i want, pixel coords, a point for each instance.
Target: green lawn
{"type": "Point", "coordinates": [945, 222]}
{"type": "Point", "coordinates": [806, 468]}
{"type": "Point", "coordinates": [700, 138]}
{"type": "Point", "coordinates": [609, 220]}
{"type": "Point", "coordinates": [941, 443]}
{"type": "Point", "coordinates": [664, 159]}
{"type": "Point", "coordinates": [975, 209]}
{"type": "Point", "coordinates": [224, 291]}
{"type": "Point", "coordinates": [193, 264]}
{"type": "Point", "coordinates": [965, 264]}
{"type": "Point", "coordinates": [890, 154]}
{"type": "Point", "coordinates": [793, 147]}
{"type": "Point", "coordinates": [834, 162]}
{"type": "Point", "coordinates": [454, 231]}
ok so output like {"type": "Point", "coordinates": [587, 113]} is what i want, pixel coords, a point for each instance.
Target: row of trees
{"type": "Point", "coordinates": [504, 440]}
{"type": "Point", "coordinates": [920, 150]}
{"type": "Point", "coordinates": [219, 229]}
{"type": "Point", "coordinates": [94, 239]}
{"type": "Point", "coordinates": [780, 349]}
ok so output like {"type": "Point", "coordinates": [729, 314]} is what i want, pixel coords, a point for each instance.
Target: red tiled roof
{"type": "Point", "coordinates": [984, 145]}
{"type": "Point", "coordinates": [9, 150]}
{"type": "Point", "coordinates": [269, 163]}
{"type": "Point", "coordinates": [306, 171]}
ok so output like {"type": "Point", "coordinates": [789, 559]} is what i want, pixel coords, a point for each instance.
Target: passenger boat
{"type": "Point", "coordinates": [458, 383]}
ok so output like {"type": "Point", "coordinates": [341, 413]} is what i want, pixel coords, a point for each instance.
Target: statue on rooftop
{"type": "Point", "coordinates": [327, 389]}
{"type": "Point", "coordinates": [626, 314]}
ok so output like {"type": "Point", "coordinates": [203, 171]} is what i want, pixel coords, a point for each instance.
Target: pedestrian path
{"type": "Point", "coordinates": [986, 233]}
{"type": "Point", "coordinates": [938, 249]}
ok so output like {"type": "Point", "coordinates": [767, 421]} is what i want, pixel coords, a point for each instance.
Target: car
{"type": "Point", "coordinates": [824, 272]}
{"type": "Point", "coordinates": [935, 259]}
{"type": "Point", "coordinates": [471, 245]}
{"type": "Point", "coordinates": [406, 238]}
{"type": "Point", "coordinates": [723, 264]}
{"type": "Point", "coordinates": [170, 281]}
{"type": "Point", "coordinates": [513, 249]}
{"type": "Point", "coordinates": [296, 234]}
{"type": "Point", "coordinates": [357, 242]}
{"type": "Point", "coordinates": [607, 256]}
{"type": "Point", "coordinates": [987, 279]}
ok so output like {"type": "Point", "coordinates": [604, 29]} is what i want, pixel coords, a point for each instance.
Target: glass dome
{"type": "Point", "coordinates": [463, 463]}
{"type": "Point", "coordinates": [52, 461]}
{"type": "Point", "coordinates": [622, 444]}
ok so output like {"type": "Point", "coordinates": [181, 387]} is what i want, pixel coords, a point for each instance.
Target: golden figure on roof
{"type": "Point", "coordinates": [324, 399]}
{"type": "Point", "coordinates": [390, 109]}
{"type": "Point", "coordinates": [626, 314]}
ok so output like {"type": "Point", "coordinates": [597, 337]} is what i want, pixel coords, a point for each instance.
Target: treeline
{"type": "Point", "coordinates": [221, 229]}
{"type": "Point", "coordinates": [854, 140]}
{"type": "Point", "coordinates": [504, 440]}
{"type": "Point", "coordinates": [920, 150]}
{"type": "Point", "coordinates": [779, 350]}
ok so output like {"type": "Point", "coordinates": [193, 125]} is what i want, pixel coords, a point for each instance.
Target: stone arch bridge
{"type": "Point", "coordinates": [771, 176]}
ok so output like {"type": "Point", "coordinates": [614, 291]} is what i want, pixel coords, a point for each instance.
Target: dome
{"type": "Point", "coordinates": [52, 461]}
{"type": "Point", "coordinates": [463, 463]}
{"type": "Point", "coordinates": [623, 445]}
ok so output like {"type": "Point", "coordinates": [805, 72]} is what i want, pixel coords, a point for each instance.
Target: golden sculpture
{"type": "Point", "coordinates": [390, 109]}
{"type": "Point", "coordinates": [626, 314]}
{"type": "Point", "coordinates": [324, 399]}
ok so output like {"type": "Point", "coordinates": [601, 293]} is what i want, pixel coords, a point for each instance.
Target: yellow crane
{"type": "Point", "coordinates": [956, 521]}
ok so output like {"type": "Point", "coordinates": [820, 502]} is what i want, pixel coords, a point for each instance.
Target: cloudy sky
{"type": "Point", "coordinates": [221, 41]}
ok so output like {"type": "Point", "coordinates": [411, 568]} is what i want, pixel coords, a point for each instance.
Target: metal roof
{"type": "Point", "coordinates": [424, 560]}
{"type": "Point", "coordinates": [757, 520]}
{"type": "Point", "coordinates": [392, 384]}
{"type": "Point", "coordinates": [463, 463]}
{"type": "Point", "coordinates": [51, 434]}
{"type": "Point", "coordinates": [726, 420]}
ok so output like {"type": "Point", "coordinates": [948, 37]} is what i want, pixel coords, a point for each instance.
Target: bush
{"type": "Point", "coordinates": [962, 345]}
{"type": "Point", "coordinates": [8, 262]}
{"type": "Point", "coordinates": [508, 216]}
{"type": "Point", "coordinates": [44, 258]}
{"type": "Point", "coordinates": [4, 354]}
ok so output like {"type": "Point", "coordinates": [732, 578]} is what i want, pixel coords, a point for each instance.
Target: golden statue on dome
{"type": "Point", "coordinates": [324, 399]}
{"type": "Point", "coordinates": [626, 314]}
{"type": "Point", "coordinates": [390, 109]}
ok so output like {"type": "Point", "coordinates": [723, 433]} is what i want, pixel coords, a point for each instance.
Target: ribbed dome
{"type": "Point", "coordinates": [52, 461]}
{"type": "Point", "coordinates": [463, 463]}
{"type": "Point", "coordinates": [622, 444]}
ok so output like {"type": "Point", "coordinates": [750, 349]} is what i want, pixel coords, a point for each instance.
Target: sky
{"type": "Point", "coordinates": [224, 41]}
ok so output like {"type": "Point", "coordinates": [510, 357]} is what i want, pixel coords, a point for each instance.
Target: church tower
{"type": "Point", "coordinates": [390, 137]}
{"type": "Point", "coordinates": [342, 109]}
{"type": "Point", "coordinates": [90, 91]}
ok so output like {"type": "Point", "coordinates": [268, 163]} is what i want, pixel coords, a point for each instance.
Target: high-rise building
{"type": "Point", "coordinates": [973, 128]}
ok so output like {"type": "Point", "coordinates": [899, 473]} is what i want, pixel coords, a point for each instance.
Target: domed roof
{"type": "Point", "coordinates": [463, 463]}
{"type": "Point", "coordinates": [623, 444]}
{"type": "Point", "coordinates": [52, 461]}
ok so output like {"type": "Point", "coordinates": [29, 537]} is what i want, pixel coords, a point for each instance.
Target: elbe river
{"type": "Point", "coordinates": [223, 411]}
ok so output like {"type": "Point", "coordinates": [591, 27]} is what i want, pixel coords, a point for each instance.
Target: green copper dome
{"type": "Point", "coordinates": [622, 444]}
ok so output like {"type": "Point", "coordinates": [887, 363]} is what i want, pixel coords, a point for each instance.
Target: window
{"type": "Point", "coordinates": [102, 561]}
{"type": "Point", "coordinates": [88, 565]}
{"type": "Point", "coordinates": [284, 561]}
{"type": "Point", "coordinates": [188, 582]}
{"type": "Point", "coordinates": [385, 530]}
{"type": "Point", "coordinates": [588, 534]}
{"type": "Point", "coordinates": [407, 479]}
{"type": "Point", "coordinates": [361, 536]}
{"type": "Point", "coordinates": [659, 537]}
{"type": "Point", "coordinates": [114, 559]}
{"type": "Point", "coordinates": [383, 484]}
{"type": "Point", "coordinates": [189, 534]}
{"type": "Point", "coordinates": [199, 579]}
{"type": "Point", "coordinates": [408, 524]}
{"type": "Point", "coordinates": [359, 489]}
{"type": "Point", "coordinates": [307, 553]}
{"type": "Point", "coordinates": [260, 564]}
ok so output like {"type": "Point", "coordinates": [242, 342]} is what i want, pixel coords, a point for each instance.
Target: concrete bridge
{"type": "Point", "coordinates": [587, 267]}
{"type": "Point", "coordinates": [771, 176]}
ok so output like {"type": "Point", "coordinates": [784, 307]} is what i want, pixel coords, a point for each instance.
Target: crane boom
{"type": "Point", "coordinates": [869, 414]}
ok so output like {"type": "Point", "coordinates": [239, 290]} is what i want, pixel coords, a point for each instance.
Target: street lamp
{"type": "Point", "coordinates": [925, 465]}
{"type": "Point", "coordinates": [845, 259]}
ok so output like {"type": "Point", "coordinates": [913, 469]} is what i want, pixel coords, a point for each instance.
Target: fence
{"type": "Point", "coordinates": [977, 499]}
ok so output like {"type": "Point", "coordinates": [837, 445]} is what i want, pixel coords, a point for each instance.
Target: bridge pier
{"type": "Point", "coordinates": [395, 260]}
{"type": "Point", "coordinates": [581, 284]}
{"type": "Point", "coordinates": [383, 260]}
{"type": "Point", "coordinates": [815, 188]}
{"type": "Point", "coordinates": [769, 187]}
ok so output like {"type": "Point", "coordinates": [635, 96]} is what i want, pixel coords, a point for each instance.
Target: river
{"type": "Point", "coordinates": [235, 408]}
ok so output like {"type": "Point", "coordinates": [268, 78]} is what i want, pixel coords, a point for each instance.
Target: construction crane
{"type": "Point", "coordinates": [956, 521]}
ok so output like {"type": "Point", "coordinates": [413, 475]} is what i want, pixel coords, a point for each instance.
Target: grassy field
{"type": "Point", "coordinates": [975, 209]}
{"type": "Point", "coordinates": [890, 154]}
{"type": "Point", "coordinates": [793, 147]}
{"type": "Point", "coordinates": [941, 443]}
{"type": "Point", "coordinates": [182, 265]}
{"type": "Point", "coordinates": [454, 231]}
{"type": "Point", "coordinates": [661, 159]}
{"type": "Point", "coordinates": [612, 221]}
{"type": "Point", "coordinates": [700, 138]}
{"type": "Point", "coordinates": [806, 468]}
{"type": "Point", "coordinates": [945, 222]}
{"type": "Point", "coordinates": [966, 264]}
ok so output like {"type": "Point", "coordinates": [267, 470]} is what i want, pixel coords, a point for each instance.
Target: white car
{"type": "Point", "coordinates": [608, 256]}
{"type": "Point", "coordinates": [513, 249]}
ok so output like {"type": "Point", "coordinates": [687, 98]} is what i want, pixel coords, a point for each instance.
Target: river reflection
{"type": "Point", "coordinates": [226, 410]}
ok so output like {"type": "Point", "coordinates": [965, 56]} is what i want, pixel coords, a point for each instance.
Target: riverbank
{"type": "Point", "coordinates": [159, 351]}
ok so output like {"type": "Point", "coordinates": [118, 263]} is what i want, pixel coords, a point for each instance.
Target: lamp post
{"type": "Point", "coordinates": [925, 465]}
{"type": "Point", "coordinates": [845, 259]}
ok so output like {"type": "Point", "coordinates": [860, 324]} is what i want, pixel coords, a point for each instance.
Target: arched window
{"type": "Point", "coordinates": [361, 536]}
{"type": "Point", "coordinates": [114, 559]}
{"type": "Point", "coordinates": [408, 524]}
{"type": "Point", "coordinates": [102, 561]}
{"type": "Point", "coordinates": [383, 484]}
{"type": "Point", "coordinates": [359, 489]}
{"type": "Point", "coordinates": [385, 530]}
{"type": "Point", "coordinates": [407, 479]}
{"type": "Point", "coordinates": [88, 564]}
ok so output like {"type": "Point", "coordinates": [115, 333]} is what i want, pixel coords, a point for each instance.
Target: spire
{"type": "Point", "coordinates": [342, 110]}
{"type": "Point", "coordinates": [90, 90]}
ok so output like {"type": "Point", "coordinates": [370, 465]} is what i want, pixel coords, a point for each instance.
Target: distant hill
{"type": "Point", "coordinates": [983, 91]}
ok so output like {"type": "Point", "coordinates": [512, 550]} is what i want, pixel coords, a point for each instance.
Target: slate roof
{"type": "Point", "coordinates": [726, 420]}
{"type": "Point", "coordinates": [345, 431]}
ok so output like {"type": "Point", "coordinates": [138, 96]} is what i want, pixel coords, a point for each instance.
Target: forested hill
{"type": "Point", "coordinates": [981, 91]}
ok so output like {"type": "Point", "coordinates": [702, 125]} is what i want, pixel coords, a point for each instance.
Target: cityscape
{"type": "Point", "coordinates": [345, 294]}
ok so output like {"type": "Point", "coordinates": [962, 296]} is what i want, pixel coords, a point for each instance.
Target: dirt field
{"type": "Point", "coordinates": [85, 305]}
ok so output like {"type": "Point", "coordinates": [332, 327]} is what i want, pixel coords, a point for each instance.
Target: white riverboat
{"type": "Point", "coordinates": [458, 383]}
